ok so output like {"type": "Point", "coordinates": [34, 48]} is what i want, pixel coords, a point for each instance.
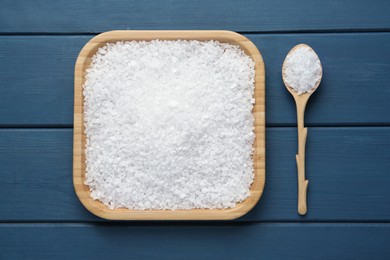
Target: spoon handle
{"type": "Point", "coordinates": [300, 157]}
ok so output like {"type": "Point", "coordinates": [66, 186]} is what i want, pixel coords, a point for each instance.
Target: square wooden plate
{"type": "Point", "coordinates": [82, 190]}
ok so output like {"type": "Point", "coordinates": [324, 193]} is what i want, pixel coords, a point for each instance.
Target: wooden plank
{"type": "Point", "coordinates": [348, 171]}
{"type": "Point", "coordinates": [36, 79]}
{"type": "Point", "coordinates": [36, 73]}
{"type": "Point", "coordinates": [353, 88]}
{"type": "Point", "coordinates": [245, 241]}
{"type": "Point", "coordinates": [249, 15]}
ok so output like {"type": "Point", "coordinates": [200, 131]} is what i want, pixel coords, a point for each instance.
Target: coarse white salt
{"type": "Point", "coordinates": [302, 70]}
{"type": "Point", "coordinates": [169, 125]}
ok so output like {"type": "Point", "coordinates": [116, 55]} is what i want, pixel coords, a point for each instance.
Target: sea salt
{"type": "Point", "coordinates": [302, 70]}
{"type": "Point", "coordinates": [169, 125]}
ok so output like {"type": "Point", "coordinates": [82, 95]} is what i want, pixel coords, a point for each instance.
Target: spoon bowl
{"type": "Point", "coordinates": [288, 86]}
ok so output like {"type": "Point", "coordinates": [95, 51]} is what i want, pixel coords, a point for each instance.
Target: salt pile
{"type": "Point", "coordinates": [169, 125]}
{"type": "Point", "coordinates": [302, 70]}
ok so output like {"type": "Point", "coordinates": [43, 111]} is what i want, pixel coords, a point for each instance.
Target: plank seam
{"type": "Point", "coordinates": [320, 31]}
{"type": "Point", "coordinates": [193, 222]}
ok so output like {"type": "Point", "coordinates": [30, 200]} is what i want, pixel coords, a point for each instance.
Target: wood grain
{"type": "Point", "coordinates": [75, 16]}
{"type": "Point", "coordinates": [83, 191]}
{"type": "Point", "coordinates": [300, 157]}
{"type": "Point", "coordinates": [175, 241]}
{"type": "Point", "coordinates": [348, 169]}
{"type": "Point", "coordinates": [38, 71]}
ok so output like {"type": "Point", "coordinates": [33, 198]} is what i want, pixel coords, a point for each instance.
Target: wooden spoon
{"type": "Point", "coordinates": [301, 101]}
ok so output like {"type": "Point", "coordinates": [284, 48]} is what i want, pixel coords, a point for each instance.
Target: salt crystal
{"type": "Point", "coordinates": [302, 70]}
{"type": "Point", "coordinates": [167, 125]}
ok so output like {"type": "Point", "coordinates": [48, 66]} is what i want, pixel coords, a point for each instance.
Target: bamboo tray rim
{"type": "Point", "coordinates": [82, 190]}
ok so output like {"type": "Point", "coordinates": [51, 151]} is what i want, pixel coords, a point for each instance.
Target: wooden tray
{"type": "Point", "coordinates": [82, 190]}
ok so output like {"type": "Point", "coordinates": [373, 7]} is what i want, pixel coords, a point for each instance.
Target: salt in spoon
{"type": "Point", "coordinates": [302, 74]}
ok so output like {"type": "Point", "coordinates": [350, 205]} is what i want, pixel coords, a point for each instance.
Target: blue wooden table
{"type": "Point", "coordinates": [348, 149]}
